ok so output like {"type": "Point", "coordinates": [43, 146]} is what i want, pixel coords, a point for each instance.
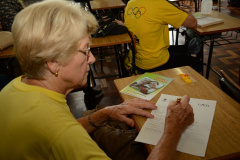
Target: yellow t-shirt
{"type": "Point", "coordinates": [148, 20]}
{"type": "Point", "coordinates": [36, 123]}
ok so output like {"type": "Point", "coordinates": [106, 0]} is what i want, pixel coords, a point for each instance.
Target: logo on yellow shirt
{"type": "Point", "coordinates": [136, 11]}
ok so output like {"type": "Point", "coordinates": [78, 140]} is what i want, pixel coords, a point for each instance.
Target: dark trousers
{"type": "Point", "coordinates": [178, 57]}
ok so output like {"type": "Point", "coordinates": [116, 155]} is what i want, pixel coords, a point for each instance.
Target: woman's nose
{"type": "Point", "coordinates": [91, 58]}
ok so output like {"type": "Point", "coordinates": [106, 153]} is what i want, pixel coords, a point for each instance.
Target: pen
{"type": "Point", "coordinates": [178, 100]}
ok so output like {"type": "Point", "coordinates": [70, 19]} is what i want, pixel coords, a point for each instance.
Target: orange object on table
{"type": "Point", "coordinates": [185, 77]}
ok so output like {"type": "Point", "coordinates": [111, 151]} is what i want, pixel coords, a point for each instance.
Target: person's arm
{"type": "Point", "coordinates": [118, 112]}
{"type": "Point", "coordinates": [166, 147]}
{"type": "Point", "coordinates": [179, 117]}
{"type": "Point", "coordinates": [190, 21]}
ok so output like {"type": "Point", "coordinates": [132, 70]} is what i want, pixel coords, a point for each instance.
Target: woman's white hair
{"type": "Point", "coordinates": [49, 30]}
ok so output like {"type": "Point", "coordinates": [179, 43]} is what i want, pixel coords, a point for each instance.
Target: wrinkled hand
{"type": "Point", "coordinates": [179, 116]}
{"type": "Point", "coordinates": [134, 106]}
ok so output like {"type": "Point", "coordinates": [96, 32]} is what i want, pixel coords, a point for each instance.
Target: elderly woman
{"type": "Point", "coordinates": [51, 40]}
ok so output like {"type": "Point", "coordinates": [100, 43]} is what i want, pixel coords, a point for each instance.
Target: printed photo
{"type": "Point", "coordinates": [146, 85]}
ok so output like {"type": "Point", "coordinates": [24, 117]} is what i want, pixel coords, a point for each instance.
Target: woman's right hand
{"type": "Point", "coordinates": [179, 115]}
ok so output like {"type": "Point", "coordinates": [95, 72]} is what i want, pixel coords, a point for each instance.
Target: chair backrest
{"type": "Point", "coordinates": [229, 86]}
{"type": "Point", "coordinates": [134, 49]}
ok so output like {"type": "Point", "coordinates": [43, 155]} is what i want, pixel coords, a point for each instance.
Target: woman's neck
{"type": "Point", "coordinates": [47, 84]}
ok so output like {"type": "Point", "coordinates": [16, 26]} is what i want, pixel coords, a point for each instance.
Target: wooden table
{"type": "Point", "coordinates": [98, 5]}
{"type": "Point", "coordinates": [106, 4]}
{"type": "Point", "coordinates": [230, 24]}
{"type": "Point", "coordinates": [7, 53]}
{"type": "Point", "coordinates": [225, 132]}
{"type": "Point", "coordinates": [177, 1]}
{"type": "Point", "coordinates": [5, 57]}
{"type": "Point", "coordinates": [112, 40]}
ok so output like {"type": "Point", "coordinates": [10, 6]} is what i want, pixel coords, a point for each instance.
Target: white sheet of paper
{"type": "Point", "coordinates": [208, 21]}
{"type": "Point", "coordinates": [195, 138]}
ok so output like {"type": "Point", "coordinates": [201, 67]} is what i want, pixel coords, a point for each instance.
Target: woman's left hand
{"type": "Point", "coordinates": [134, 106]}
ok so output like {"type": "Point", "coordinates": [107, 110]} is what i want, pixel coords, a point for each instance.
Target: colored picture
{"type": "Point", "coordinates": [146, 85]}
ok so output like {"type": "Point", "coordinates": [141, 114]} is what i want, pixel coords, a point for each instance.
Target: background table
{"type": "Point", "coordinates": [112, 40]}
{"type": "Point", "coordinates": [118, 5]}
{"type": "Point", "coordinates": [230, 24]}
{"type": "Point", "coordinates": [7, 53]}
{"type": "Point", "coordinates": [106, 4]}
{"type": "Point", "coordinates": [6, 57]}
{"type": "Point", "coordinates": [225, 132]}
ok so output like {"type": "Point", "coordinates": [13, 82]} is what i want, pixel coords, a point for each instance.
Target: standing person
{"type": "Point", "coordinates": [148, 21]}
{"type": "Point", "coordinates": [51, 41]}
{"type": "Point", "coordinates": [8, 10]}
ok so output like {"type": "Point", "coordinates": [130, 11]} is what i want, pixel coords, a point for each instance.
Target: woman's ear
{"type": "Point", "coordinates": [53, 67]}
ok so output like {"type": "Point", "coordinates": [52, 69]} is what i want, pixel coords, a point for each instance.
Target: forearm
{"type": "Point", "coordinates": [166, 147]}
{"type": "Point", "coordinates": [179, 116]}
{"type": "Point", "coordinates": [118, 112]}
{"type": "Point", "coordinates": [190, 21]}
{"type": "Point", "coordinates": [99, 118]}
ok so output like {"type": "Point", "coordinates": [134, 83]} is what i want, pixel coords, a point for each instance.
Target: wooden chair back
{"type": "Point", "coordinates": [229, 86]}
{"type": "Point", "coordinates": [134, 49]}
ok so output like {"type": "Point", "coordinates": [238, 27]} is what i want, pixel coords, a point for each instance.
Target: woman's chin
{"type": "Point", "coordinates": [83, 84]}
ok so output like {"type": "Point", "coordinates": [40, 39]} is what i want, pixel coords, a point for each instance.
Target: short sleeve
{"type": "Point", "coordinates": [170, 14]}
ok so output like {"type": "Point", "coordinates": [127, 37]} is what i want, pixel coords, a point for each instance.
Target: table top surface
{"type": "Point", "coordinates": [110, 40]}
{"type": "Point", "coordinates": [175, 0]}
{"type": "Point", "coordinates": [7, 53]}
{"type": "Point", "coordinates": [106, 4]}
{"type": "Point", "coordinates": [225, 132]}
{"type": "Point", "coordinates": [230, 24]}
{"type": "Point", "coordinates": [94, 42]}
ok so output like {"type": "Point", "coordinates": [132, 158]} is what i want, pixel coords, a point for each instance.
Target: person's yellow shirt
{"type": "Point", "coordinates": [148, 20]}
{"type": "Point", "coordinates": [36, 123]}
